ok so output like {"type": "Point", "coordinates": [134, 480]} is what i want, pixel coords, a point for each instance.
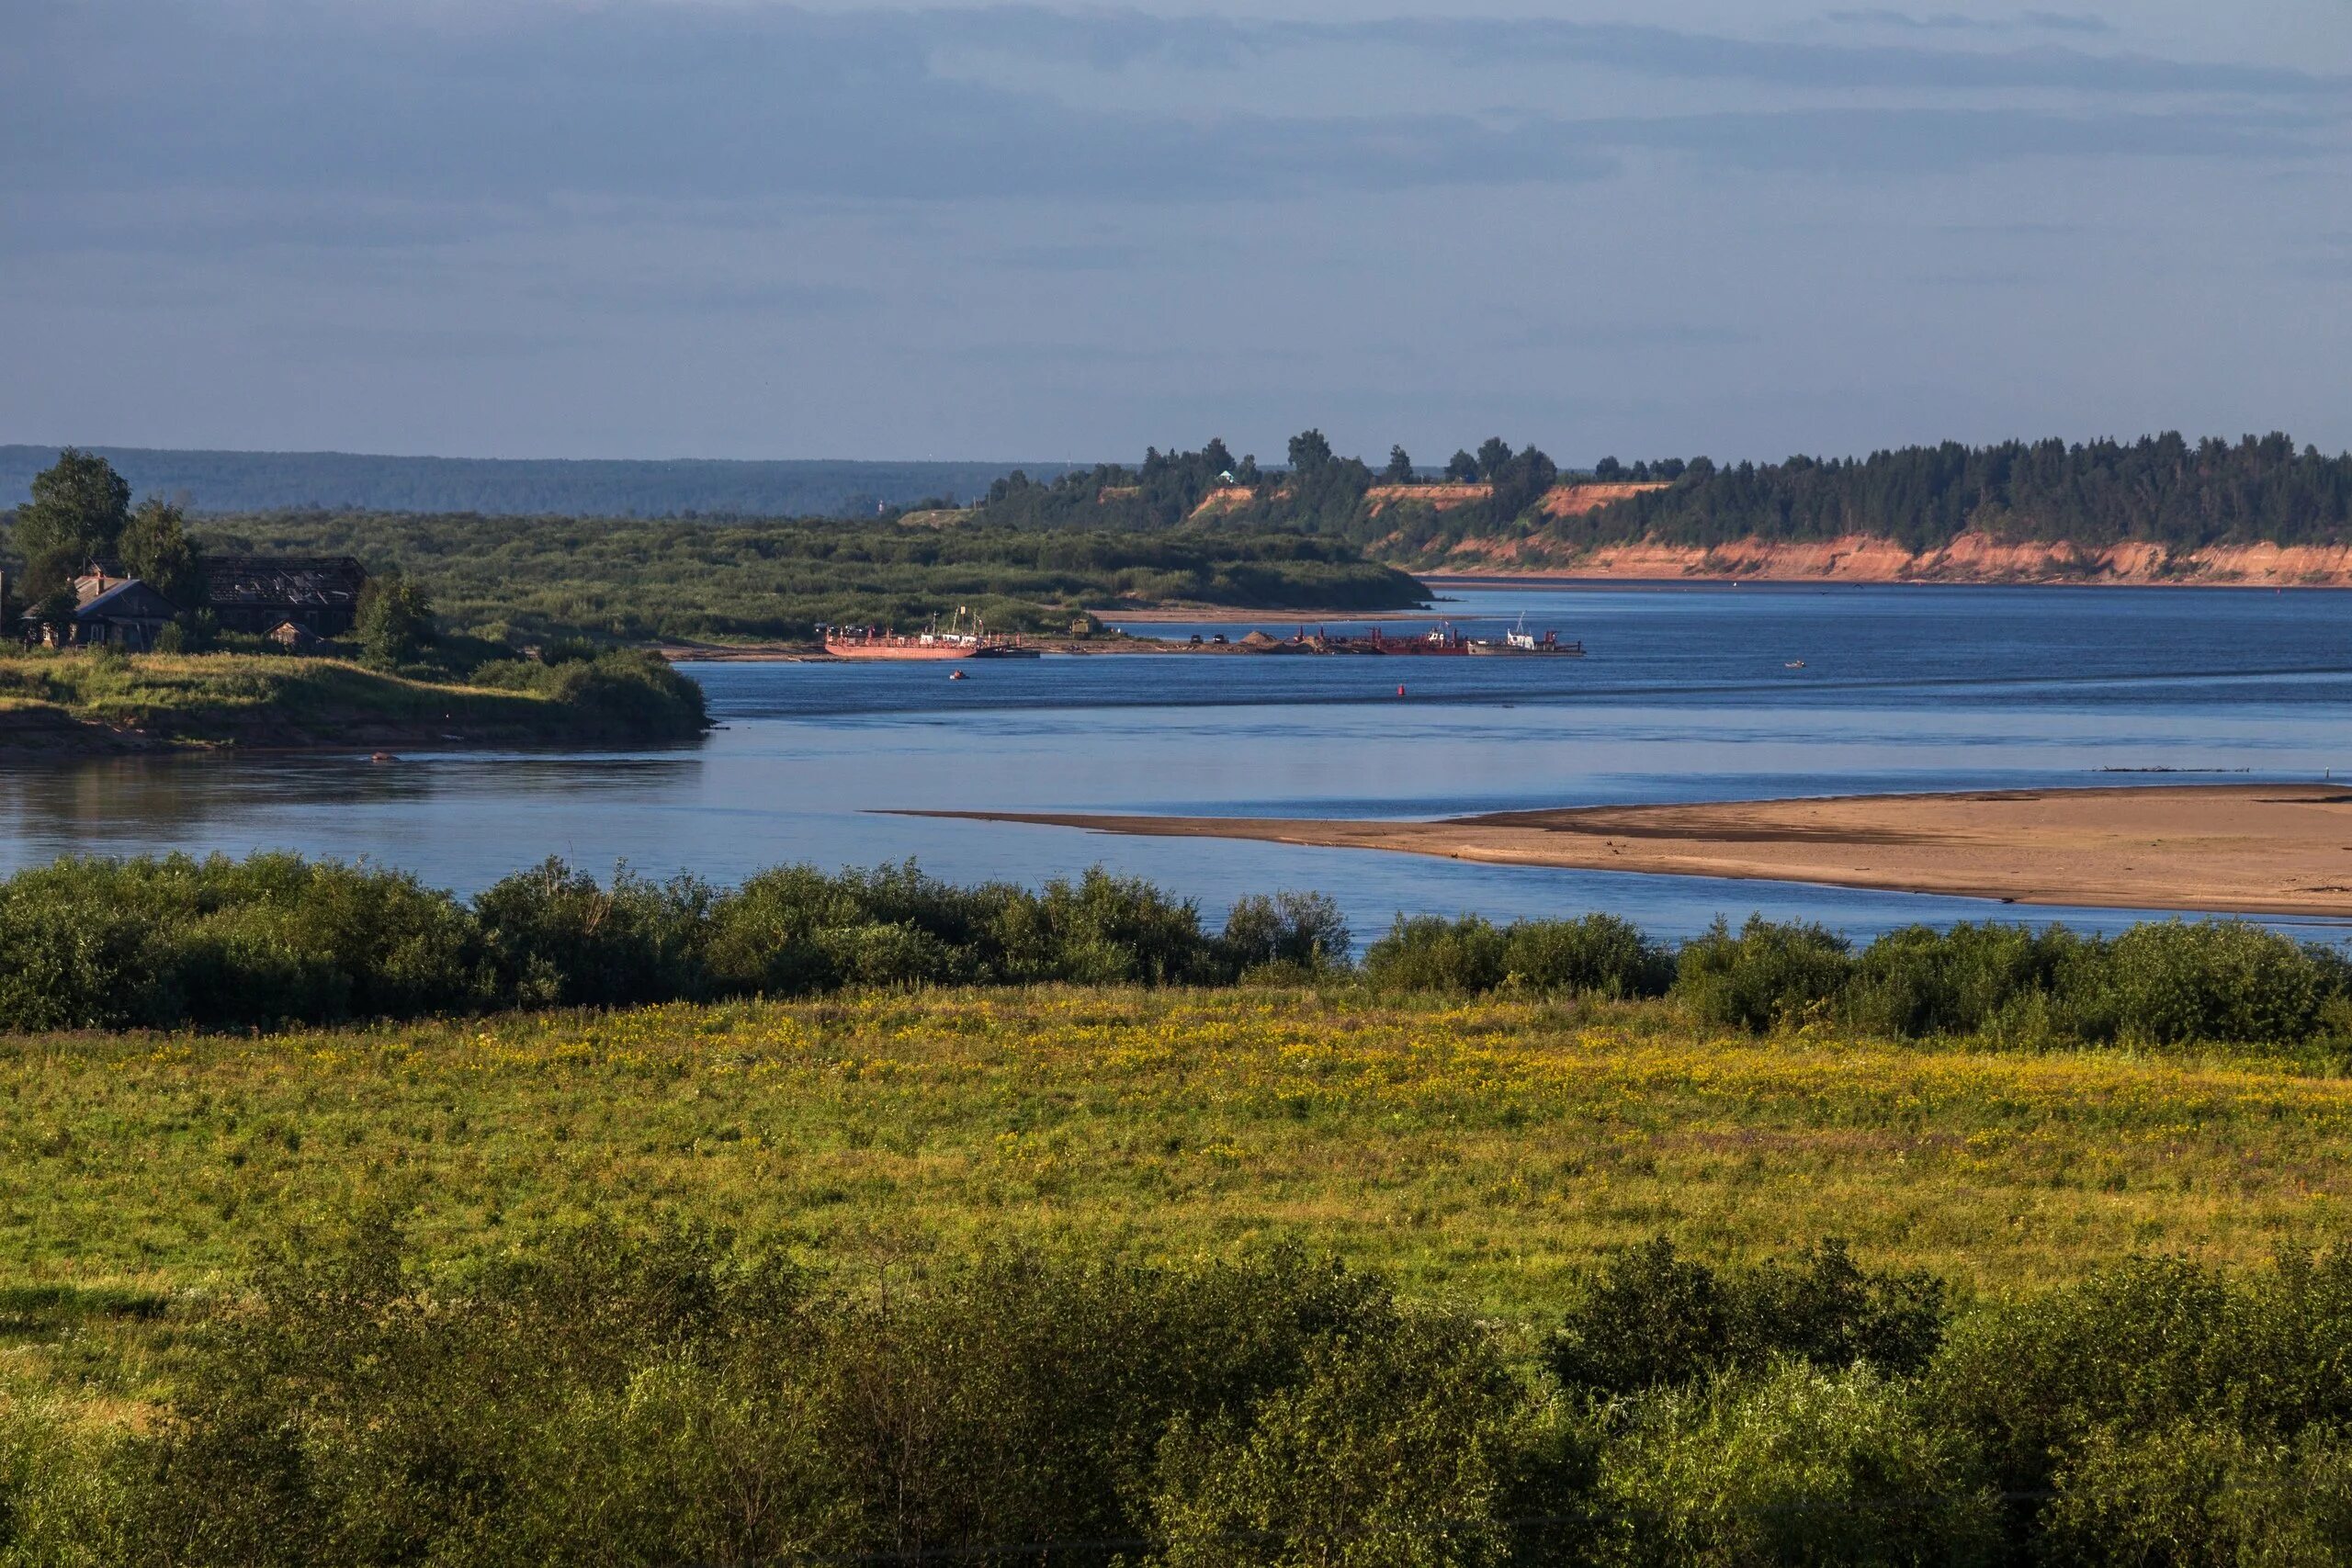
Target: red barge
{"type": "Point", "coordinates": [962, 640]}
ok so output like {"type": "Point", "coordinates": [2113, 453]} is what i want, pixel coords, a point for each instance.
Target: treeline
{"type": "Point", "coordinates": [2162, 490]}
{"type": "Point", "coordinates": [261, 482]}
{"type": "Point", "coordinates": [670, 1398]}
{"type": "Point", "coordinates": [528, 578]}
{"type": "Point", "coordinates": [277, 939]}
{"type": "Point", "coordinates": [1318, 490]}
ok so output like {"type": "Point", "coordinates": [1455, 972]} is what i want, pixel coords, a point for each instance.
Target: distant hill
{"type": "Point", "coordinates": [265, 481]}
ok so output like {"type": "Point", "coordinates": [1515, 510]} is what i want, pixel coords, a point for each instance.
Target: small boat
{"type": "Point", "coordinates": [1793, 664]}
{"type": "Point", "coordinates": [1519, 640]}
{"type": "Point", "coordinates": [956, 675]}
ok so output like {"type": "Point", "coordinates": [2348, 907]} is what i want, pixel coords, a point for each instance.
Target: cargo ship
{"type": "Point", "coordinates": [966, 637]}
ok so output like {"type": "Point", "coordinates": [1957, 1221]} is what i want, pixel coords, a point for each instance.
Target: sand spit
{"type": "Point", "coordinates": [2238, 849]}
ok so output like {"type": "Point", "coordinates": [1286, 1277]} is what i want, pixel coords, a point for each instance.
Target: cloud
{"type": "Point", "coordinates": [419, 123]}
{"type": "Point", "coordinates": [1953, 22]}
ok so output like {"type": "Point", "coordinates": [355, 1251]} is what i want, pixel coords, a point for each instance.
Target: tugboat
{"type": "Point", "coordinates": [1519, 640]}
{"type": "Point", "coordinates": [966, 636]}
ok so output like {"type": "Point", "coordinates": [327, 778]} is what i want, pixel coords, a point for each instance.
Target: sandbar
{"type": "Point", "coordinates": [2256, 848]}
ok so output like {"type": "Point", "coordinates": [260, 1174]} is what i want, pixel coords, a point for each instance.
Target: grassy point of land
{"type": "Point", "coordinates": [1484, 1151]}
{"type": "Point", "coordinates": [80, 701]}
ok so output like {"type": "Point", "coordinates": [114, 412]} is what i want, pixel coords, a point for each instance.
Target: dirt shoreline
{"type": "Point", "coordinates": [1968, 559]}
{"type": "Point", "coordinates": [2250, 849]}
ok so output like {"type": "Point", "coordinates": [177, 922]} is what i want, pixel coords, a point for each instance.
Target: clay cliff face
{"type": "Point", "coordinates": [1971, 557]}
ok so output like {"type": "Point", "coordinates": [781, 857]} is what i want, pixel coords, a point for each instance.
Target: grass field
{"type": "Point", "coordinates": [1481, 1152]}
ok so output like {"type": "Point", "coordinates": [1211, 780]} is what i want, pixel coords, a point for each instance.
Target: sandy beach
{"type": "Point", "coordinates": [2239, 849]}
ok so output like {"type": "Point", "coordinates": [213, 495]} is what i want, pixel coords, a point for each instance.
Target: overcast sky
{"type": "Point", "coordinates": [667, 228]}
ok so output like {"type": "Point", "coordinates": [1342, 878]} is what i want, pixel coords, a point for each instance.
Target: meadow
{"type": "Point", "coordinates": [1483, 1152]}
{"type": "Point", "coordinates": [1299, 1275]}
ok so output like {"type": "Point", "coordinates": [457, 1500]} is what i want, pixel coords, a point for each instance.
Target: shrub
{"type": "Point", "coordinates": [1303, 932]}
{"type": "Point", "coordinates": [1768, 976]}
{"type": "Point", "coordinates": [1971, 978]}
{"type": "Point", "coordinates": [1102, 930]}
{"type": "Point", "coordinates": [2144, 1346]}
{"type": "Point", "coordinates": [1654, 1319]}
{"type": "Point", "coordinates": [1430, 954]}
{"type": "Point", "coordinates": [1796, 1466]}
{"type": "Point", "coordinates": [557, 939]}
{"type": "Point", "coordinates": [795, 929]}
{"type": "Point", "coordinates": [2213, 980]}
{"type": "Point", "coordinates": [263, 940]}
{"type": "Point", "coordinates": [2196, 1495]}
{"type": "Point", "coordinates": [1592, 956]}
{"type": "Point", "coordinates": [1392, 1449]}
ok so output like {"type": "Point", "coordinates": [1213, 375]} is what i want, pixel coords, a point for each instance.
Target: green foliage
{"type": "Point", "coordinates": [2174, 981]}
{"type": "Point", "coordinates": [218, 943]}
{"type": "Point", "coordinates": [1393, 1447]}
{"type": "Point", "coordinates": [1593, 955]}
{"type": "Point", "coordinates": [1768, 976]}
{"type": "Point", "coordinates": [557, 938]}
{"type": "Point", "coordinates": [395, 620]}
{"type": "Point", "coordinates": [1429, 952]}
{"type": "Point", "coordinates": [1969, 980]}
{"type": "Point", "coordinates": [2160, 488]}
{"type": "Point", "coordinates": [1796, 1466]}
{"type": "Point", "coordinates": [2202, 1496]}
{"type": "Point", "coordinates": [659, 1399]}
{"type": "Point", "coordinates": [1652, 1319]}
{"type": "Point", "coordinates": [522, 579]}
{"type": "Point", "coordinates": [1299, 933]}
{"type": "Point", "coordinates": [273, 937]}
{"type": "Point", "coordinates": [627, 691]}
{"type": "Point", "coordinates": [77, 512]}
{"type": "Point", "coordinates": [155, 550]}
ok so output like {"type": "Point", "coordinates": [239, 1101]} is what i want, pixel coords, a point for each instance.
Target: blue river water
{"type": "Point", "coordinates": [1687, 693]}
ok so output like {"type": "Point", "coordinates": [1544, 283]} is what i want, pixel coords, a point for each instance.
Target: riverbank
{"type": "Point", "coordinates": [2230, 849]}
{"type": "Point", "coordinates": [1971, 558]}
{"type": "Point", "coordinates": [79, 704]}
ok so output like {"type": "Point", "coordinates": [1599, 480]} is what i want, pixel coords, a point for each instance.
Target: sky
{"type": "Point", "coordinates": [735, 229]}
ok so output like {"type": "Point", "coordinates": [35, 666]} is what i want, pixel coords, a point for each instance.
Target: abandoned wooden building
{"type": "Point", "coordinates": [259, 594]}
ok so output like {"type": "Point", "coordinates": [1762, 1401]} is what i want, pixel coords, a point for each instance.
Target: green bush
{"type": "Point", "coordinates": [264, 940]}
{"type": "Point", "coordinates": [557, 938]}
{"type": "Point", "coordinates": [2213, 980]}
{"type": "Point", "coordinates": [1392, 1449]}
{"type": "Point", "coordinates": [2198, 1494]}
{"type": "Point", "coordinates": [1651, 1318]}
{"type": "Point", "coordinates": [1796, 1466]}
{"type": "Point", "coordinates": [1428, 952]}
{"type": "Point", "coordinates": [1770, 975]}
{"type": "Point", "coordinates": [1101, 930]}
{"type": "Point", "coordinates": [1304, 932]}
{"type": "Point", "coordinates": [1598, 955]}
{"type": "Point", "coordinates": [627, 692]}
{"type": "Point", "coordinates": [1970, 979]}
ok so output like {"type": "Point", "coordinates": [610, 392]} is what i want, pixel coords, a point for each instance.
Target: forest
{"type": "Point", "coordinates": [2164, 490]}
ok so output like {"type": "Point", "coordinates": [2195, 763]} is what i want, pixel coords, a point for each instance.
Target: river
{"type": "Point", "coordinates": [1687, 693]}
